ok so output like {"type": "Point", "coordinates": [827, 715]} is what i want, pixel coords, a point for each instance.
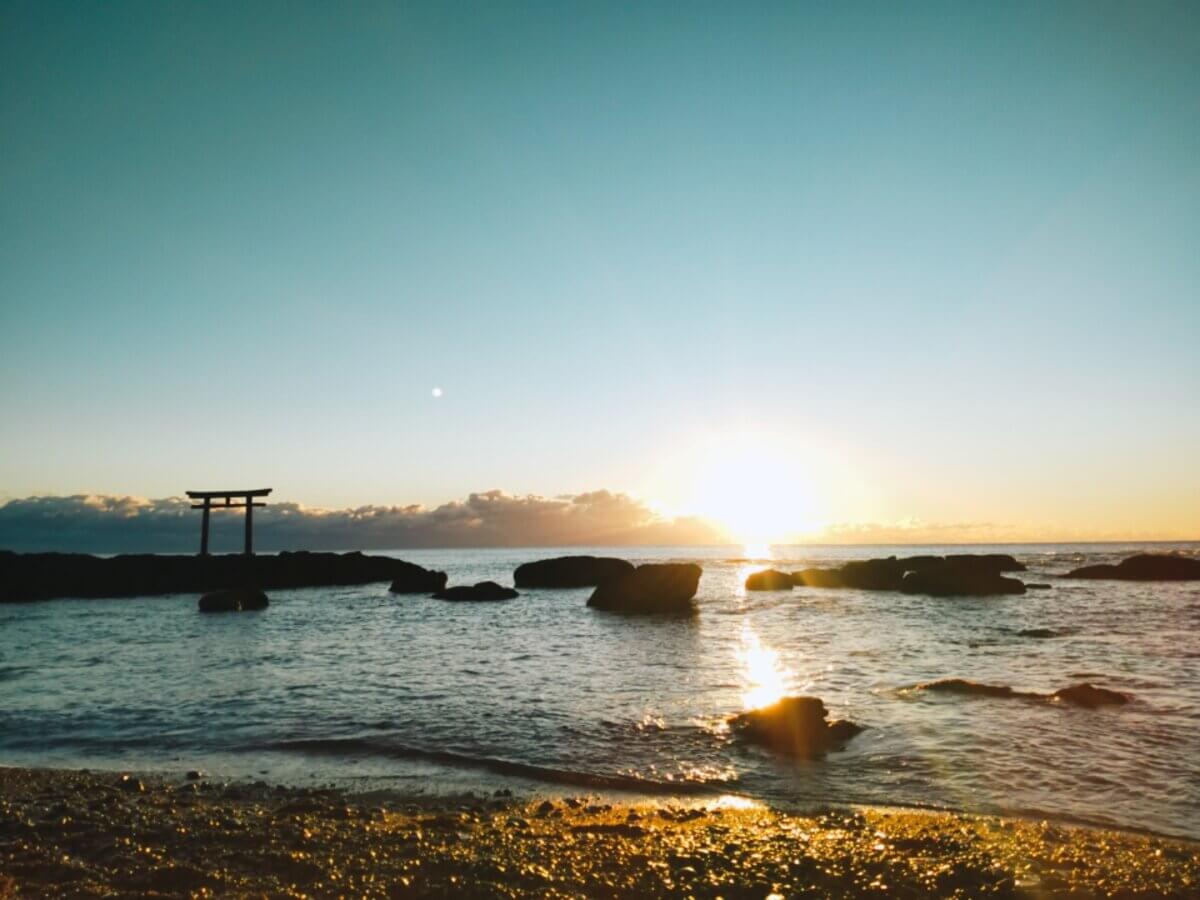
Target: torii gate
{"type": "Point", "coordinates": [207, 497]}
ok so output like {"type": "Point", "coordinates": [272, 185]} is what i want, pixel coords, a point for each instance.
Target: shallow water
{"type": "Point", "coordinates": [354, 683]}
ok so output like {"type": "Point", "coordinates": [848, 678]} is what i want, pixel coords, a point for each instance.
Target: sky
{"type": "Point", "coordinates": [797, 270]}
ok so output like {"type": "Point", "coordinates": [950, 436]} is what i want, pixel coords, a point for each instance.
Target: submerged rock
{"type": "Point", "coordinates": [769, 580]}
{"type": "Point", "coordinates": [570, 571]}
{"type": "Point", "coordinates": [973, 688]}
{"type": "Point", "coordinates": [952, 581]}
{"type": "Point", "coordinates": [650, 588]}
{"type": "Point", "coordinates": [1145, 567]}
{"type": "Point", "coordinates": [797, 726]}
{"type": "Point", "coordinates": [234, 600]}
{"type": "Point", "coordinates": [1089, 696]}
{"type": "Point", "coordinates": [1039, 633]}
{"type": "Point", "coordinates": [483, 591]}
{"type": "Point", "coordinates": [1086, 695]}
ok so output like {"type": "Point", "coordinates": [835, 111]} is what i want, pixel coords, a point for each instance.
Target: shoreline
{"type": "Point", "coordinates": [86, 833]}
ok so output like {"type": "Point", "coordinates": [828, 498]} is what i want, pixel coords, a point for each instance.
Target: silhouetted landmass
{"type": "Point", "coordinates": [794, 725]}
{"type": "Point", "coordinates": [769, 580]}
{"type": "Point", "coordinates": [1086, 695]}
{"type": "Point", "coordinates": [234, 600]}
{"type": "Point", "coordinates": [570, 571]}
{"type": "Point", "coordinates": [1145, 567]}
{"type": "Point", "coordinates": [41, 576]}
{"type": "Point", "coordinates": [964, 574]}
{"type": "Point", "coordinates": [650, 588]}
{"type": "Point", "coordinates": [484, 591]}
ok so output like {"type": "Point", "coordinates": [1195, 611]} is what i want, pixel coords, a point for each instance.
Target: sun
{"type": "Point", "coordinates": [759, 494]}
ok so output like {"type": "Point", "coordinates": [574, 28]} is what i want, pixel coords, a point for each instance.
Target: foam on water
{"type": "Point", "coordinates": [354, 683]}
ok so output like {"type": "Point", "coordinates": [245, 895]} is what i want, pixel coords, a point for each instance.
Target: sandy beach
{"type": "Point", "coordinates": [93, 834]}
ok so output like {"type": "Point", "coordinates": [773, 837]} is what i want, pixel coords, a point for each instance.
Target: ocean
{"type": "Point", "coordinates": [359, 687]}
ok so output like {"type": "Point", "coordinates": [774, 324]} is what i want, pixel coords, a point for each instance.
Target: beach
{"type": "Point", "coordinates": [92, 834]}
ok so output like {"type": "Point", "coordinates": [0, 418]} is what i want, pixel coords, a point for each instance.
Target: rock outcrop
{"type": "Point", "coordinates": [40, 576]}
{"type": "Point", "coordinates": [484, 591]}
{"type": "Point", "coordinates": [1145, 567]}
{"type": "Point", "coordinates": [234, 600]}
{"type": "Point", "coordinates": [650, 588]}
{"type": "Point", "coordinates": [797, 726]}
{"type": "Point", "coordinates": [951, 581]}
{"type": "Point", "coordinates": [769, 580]}
{"type": "Point", "coordinates": [962, 574]}
{"type": "Point", "coordinates": [570, 571]}
{"type": "Point", "coordinates": [1089, 696]}
{"type": "Point", "coordinates": [1086, 695]}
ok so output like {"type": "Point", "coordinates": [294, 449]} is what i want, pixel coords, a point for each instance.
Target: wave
{"type": "Point", "coordinates": [391, 750]}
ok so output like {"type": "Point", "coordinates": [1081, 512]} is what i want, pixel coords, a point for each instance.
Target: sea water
{"type": "Point", "coordinates": [356, 685]}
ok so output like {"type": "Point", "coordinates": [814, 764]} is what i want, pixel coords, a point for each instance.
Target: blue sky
{"type": "Point", "coordinates": [930, 262]}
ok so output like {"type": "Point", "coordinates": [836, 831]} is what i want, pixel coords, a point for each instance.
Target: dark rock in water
{"type": "Point", "coordinates": [1089, 696]}
{"type": "Point", "coordinates": [964, 573]}
{"type": "Point", "coordinates": [1039, 632]}
{"type": "Point", "coordinates": [985, 562]}
{"type": "Point", "coordinates": [234, 600]}
{"type": "Point", "coordinates": [769, 580]}
{"type": "Point", "coordinates": [483, 591]}
{"type": "Point", "coordinates": [650, 588]}
{"type": "Point", "coordinates": [951, 581]}
{"type": "Point", "coordinates": [1034, 586]}
{"type": "Point", "coordinates": [818, 578]}
{"type": "Point", "coordinates": [40, 576]}
{"type": "Point", "coordinates": [973, 688]}
{"type": "Point", "coordinates": [414, 579]}
{"type": "Point", "coordinates": [1145, 567]}
{"type": "Point", "coordinates": [1085, 695]}
{"type": "Point", "coordinates": [570, 571]}
{"type": "Point", "coordinates": [793, 725]}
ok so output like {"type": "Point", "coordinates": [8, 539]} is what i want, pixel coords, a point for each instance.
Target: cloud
{"type": "Point", "coordinates": [108, 524]}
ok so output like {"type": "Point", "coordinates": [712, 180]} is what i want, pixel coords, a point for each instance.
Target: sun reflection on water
{"type": "Point", "coordinates": [766, 679]}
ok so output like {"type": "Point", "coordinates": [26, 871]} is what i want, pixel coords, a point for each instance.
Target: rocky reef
{"type": "Point", "coordinates": [1084, 694]}
{"type": "Point", "coordinates": [1145, 567]}
{"type": "Point", "coordinates": [964, 574]}
{"type": "Point", "coordinates": [41, 576]}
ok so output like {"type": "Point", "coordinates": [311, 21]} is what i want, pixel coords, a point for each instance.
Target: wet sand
{"type": "Point", "coordinates": [92, 834]}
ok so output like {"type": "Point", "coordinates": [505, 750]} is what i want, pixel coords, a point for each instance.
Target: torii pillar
{"type": "Point", "coordinates": [208, 496]}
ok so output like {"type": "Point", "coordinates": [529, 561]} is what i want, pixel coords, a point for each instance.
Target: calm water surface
{"type": "Point", "coordinates": [354, 684]}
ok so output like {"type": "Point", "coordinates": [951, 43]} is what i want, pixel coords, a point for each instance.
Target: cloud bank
{"type": "Point", "coordinates": [108, 524]}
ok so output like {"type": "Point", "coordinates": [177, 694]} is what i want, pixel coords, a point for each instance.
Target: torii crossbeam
{"type": "Point", "coordinates": [209, 496]}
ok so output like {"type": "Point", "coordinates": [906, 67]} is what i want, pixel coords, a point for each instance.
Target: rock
{"type": "Point", "coordinates": [1089, 696]}
{"type": "Point", "coordinates": [1145, 567]}
{"type": "Point", "coordinates": [234, 600]}
{"type": "Point", "coordinates": [794, 725]}
{"type": "Point", "coordinates": [194, 775]}
{"type": "Point", "coordinates": [39, 576]}
{"type": "Point", "coordinates": [650, 588]}
{"type": "Point", "coordinates": [769, 580]}
{"type": "Point", "coordinates": [483, 591]}
{"type": "Point", "coordinates": [570, 571]}
{"type": "Point", "coordinates": [818, 578]}
{"type": "Point", "coordinates": [952, 581]}
{"type": "Point", "coordinates": [985, 562]}
{"type": "Point", "coordinates": [1034, 586]}
{"type": "Point", "coordinates": [963, 573]}
{"type": "Point", "coordinates": [1038, 632]}
{"type": "Point", "coordinates": [972, 688]}
{"type": "Point", "coordinates": [413, 579]}
{"type": "Point", "coordinates": [133, 785]}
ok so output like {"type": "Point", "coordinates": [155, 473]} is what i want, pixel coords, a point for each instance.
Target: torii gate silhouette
{"type": "Point", "coordinates": [208, 496]}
